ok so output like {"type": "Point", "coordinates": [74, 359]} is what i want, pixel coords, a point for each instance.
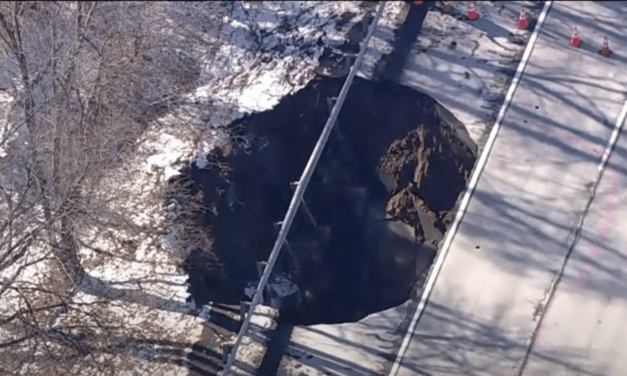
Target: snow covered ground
{"type": "Point", "coordinates": [266, 51]}
{"type": "Point", "coordinates": [263, 52]}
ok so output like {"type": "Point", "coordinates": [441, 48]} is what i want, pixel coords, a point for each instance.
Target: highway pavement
{"type": "Point", "coordinates": [534, 281]}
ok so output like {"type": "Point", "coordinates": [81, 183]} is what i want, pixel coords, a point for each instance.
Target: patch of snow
{"type": "Point", "coordinates": [205, 313]}
{"type": "Point", "coordinates": [250, 289]}
{"type": "Point", "coordinates": [249, 356]}
{"type": "Point", "coordinates": [191, 305]}
{"type": "Point", "coordinates": [279, 288]}
{"type": "Point", "coordinates": [273, 49]}
{"type": "Point", "coordinates": [168, 152]}
{"type": "Point", "coordinates": [7, 135]}
{"type": "Point", "coordinates": [282, 286]}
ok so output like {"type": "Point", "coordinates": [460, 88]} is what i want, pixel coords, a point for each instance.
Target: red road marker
{"type": "Point", "coordinates": [418, 2]}
{"type": "Point", "coordinates": [605, 49]}
{"type": "Point", "coordinates": [574, 40]}
{"type": "Point", "coordinates": [472, 11]}
{"type": "Point", "coordinates": [522, 19]}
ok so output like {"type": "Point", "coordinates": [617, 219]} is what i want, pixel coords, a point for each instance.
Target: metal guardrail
{"type": "Point", "coordinates": [300, 190]}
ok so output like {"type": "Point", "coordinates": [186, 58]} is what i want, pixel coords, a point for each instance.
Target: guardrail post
{"type": "Point", "coordinates": [261, 265]}
{"type": "Point", "coordinates": [293, 185]}
{"type": "Point", "coordinates": [244, 306]}
{"type": "Point", "coordinates": [226, 352]}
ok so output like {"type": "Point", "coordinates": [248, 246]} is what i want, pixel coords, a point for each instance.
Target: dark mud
{"type": "Point", "coordinates": [390, 174]}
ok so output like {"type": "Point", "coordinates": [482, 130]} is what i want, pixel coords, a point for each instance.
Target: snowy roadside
{"type": "Point", "coordinates": [280, 55]}
{"type": "Point", "coordinates": [265, 51]}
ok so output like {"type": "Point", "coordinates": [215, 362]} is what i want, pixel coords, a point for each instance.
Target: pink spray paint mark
{"type": "Point", "coordinates": [609, 210]}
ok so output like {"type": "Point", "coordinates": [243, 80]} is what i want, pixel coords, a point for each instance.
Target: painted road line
{"type": "Point", "coordinates": [614, 138]}
{"type": "Point", "coordinates": [554, 286]}
{"type": "Point", "coordinates": [469, 191]}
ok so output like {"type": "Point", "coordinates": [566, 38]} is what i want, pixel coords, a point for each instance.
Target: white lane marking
{"type": "Point", "coordinates": [469, 191]}
{"type": "Point", "coordinates": [614, 138]}
{"type": "Point", "coordinates": [558, 280]}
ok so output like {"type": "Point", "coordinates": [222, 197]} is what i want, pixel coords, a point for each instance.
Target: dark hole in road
{"type": "Point", "coordinates": [382, 197]}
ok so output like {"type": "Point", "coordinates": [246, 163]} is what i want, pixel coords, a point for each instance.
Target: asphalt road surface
{"type": "Point", "coordinates": [534, 282]}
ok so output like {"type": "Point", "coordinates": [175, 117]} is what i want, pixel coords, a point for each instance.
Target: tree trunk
{"type": "Point", "coordinates": [67, 253]}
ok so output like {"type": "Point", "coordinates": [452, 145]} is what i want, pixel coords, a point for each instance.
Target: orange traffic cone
{"type": "Point", "coordinates": [605, 48]}
{"type": "Point", "coordinates": [574, 40]}
{"type": "Point", "coordinates": [522, 19]}
{"type": "Point", "coordinates": [472, 11]}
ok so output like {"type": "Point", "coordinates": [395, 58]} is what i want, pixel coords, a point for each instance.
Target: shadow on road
{"type": "Point", "coordinates": [391, 66]}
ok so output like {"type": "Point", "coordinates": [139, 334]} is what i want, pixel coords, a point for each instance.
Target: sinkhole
{"type": "Point", "coordinates": [381, 198]}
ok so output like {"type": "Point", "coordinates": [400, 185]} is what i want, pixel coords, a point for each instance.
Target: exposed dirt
{"type": "Point", "coordinates": [390, 173]}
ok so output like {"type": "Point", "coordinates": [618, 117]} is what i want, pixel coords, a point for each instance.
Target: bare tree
{"type": "Point", "coordinates": [90, 81]}
{"type": "Point", "coordinates": [88, 77]}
